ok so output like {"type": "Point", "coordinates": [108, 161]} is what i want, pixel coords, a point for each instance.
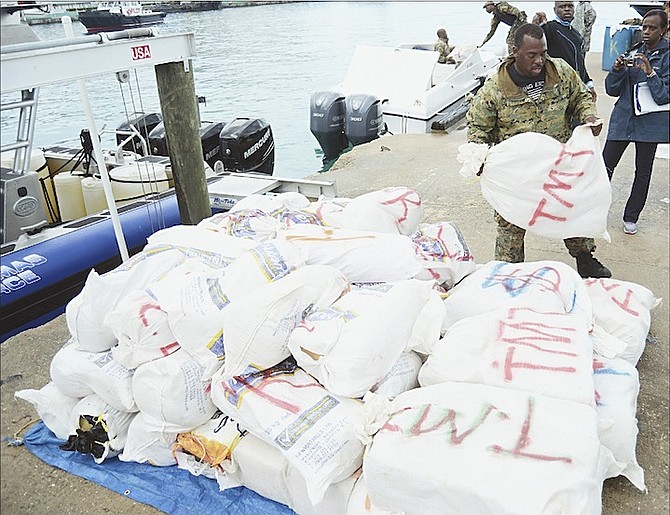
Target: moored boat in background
{"type": "Point", "coordinates": [400, 90]}
{"type": "Point", "coordinates": [115, 16]}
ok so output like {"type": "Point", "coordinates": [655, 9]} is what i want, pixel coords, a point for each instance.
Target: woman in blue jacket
{"type": "Point", "coordinates": [651, 65]}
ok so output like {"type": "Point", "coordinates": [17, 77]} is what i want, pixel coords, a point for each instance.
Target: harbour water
{"type": "Point", "coordinates": [265, 61]}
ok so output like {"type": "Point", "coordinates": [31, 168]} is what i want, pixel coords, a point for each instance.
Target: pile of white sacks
{"type": "Point", "coordinates": [340, 357]}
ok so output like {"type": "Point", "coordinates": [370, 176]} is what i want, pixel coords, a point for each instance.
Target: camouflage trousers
{"type": "Point", "coordinates": [510, 247]}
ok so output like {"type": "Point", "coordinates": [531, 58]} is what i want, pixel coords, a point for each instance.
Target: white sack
{"type": "Point", "coordinates": [352, 345]}
{"type": "Point", "coordinates": [86, 312]}
{"type": "Point", "coordinates": [142, 330]}
{"type": "Point", "coordinates": [236, 457]}
{"type": "Point", "coordinates": [541, 285]}
{"type": "Point", "coordinates": [193, 300]}
{"type": "Point", "coordinates": [617, 386]}
{"type": "Point", "coordinates": [253, 224]}
{"type": "Point", "coordinates": [264, 263]}
{"type": "Point", "coordinates": [403, 376]}
{"type": "Point", "coordinates": [174, 391]}
{"type": "Point", "coordinates": [622, 309]}
{"type": "Point", "coordinates": [443, 253]}
{"type": "Point", "coordinates": [393, 210]}
{"type": "Point", "coordinates": [467, 448]}
{"type": "Point", "coordinates": [519, 349]}
{"type": "Point", "coordinates": [78, 373]}
{"type": "Point", "coordinates": [52, 406]}
{"type": "Point", "coordinates": [257, 327]}
{"type": "Point", "coordinates": [148, 442]}
{"type": "Point", "coordinates": [115, 423]}
{"type": "Point", "coordinates": [204, 237]}
{"type": "Point", "coordinates": [544, 186]}
{"type": "Point", "coordinates": [361, 256]}
{"type": "Point", "coordinates": [315, 430]}
{"type": "Point", "coordinates": [360, 502]}
{"type": "Point", "coordinates": [272, 204]}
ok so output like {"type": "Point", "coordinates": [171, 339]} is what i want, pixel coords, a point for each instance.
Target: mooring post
{"type": "Point", "coordinates": [179, 104]}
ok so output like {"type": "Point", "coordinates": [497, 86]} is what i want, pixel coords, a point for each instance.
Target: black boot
{"type": "Point", "coordinates": [588, 266]}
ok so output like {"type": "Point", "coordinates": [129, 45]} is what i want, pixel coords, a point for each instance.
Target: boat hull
{"type": "Point", "coordinates": [95, 21]}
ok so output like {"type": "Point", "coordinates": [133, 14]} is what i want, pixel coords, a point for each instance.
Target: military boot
{"type": "Point", "coordinates": [588, 266]}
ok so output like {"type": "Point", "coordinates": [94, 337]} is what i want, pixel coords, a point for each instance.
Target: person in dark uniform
{"type": "Point", "coordinates": [565, 42]}
{"type": "Point", "coordinates": [509, 15]}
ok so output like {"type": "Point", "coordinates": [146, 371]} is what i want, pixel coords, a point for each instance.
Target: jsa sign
{"type": "Point", "coordinates": [140, 52]}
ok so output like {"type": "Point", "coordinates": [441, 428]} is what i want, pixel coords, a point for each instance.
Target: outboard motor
{"type": "Point", "coordinates": [144, 123]}
{"type": "Point", "coordinates": [211, 146]}
{"type": "Point", "coordinates": [363, 120]}
{"type": "Point", "coordinates": [327, 122]}
{"type": "Point", "coordinates": [247, 145]}
{"type": "Point", "coordinates": [158, 141]}
{"type": "Point", "coordinates": [209, 137]}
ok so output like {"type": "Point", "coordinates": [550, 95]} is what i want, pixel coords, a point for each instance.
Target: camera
{"type": "Point", "coordinates": [629, 60]}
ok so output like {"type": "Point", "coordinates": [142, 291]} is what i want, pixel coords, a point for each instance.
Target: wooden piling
{"type": "Point", "coordinates": [179, 105]}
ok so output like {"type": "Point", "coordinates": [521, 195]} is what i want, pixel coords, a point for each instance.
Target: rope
{"type": "Point", "coordinates": [17, 441]}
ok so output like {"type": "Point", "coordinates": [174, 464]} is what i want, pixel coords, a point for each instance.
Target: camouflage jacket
{"type": "Point", "coordinates": [501, 109]}
{"type": "Point", "coordinates": [442, 46]}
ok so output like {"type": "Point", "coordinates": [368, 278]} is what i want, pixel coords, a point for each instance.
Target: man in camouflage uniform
{"type": "Point", "coordinates": [509, 15]}
{"type": "Point", "coordinates": [531, 92]}
{"type": "Point", "coordinates": [585, 18]}
{"type": "Point", "coordinates": [443, 47]}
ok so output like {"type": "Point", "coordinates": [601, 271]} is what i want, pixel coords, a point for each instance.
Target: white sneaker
{"type": "Point", "coordinates": [629, 227]}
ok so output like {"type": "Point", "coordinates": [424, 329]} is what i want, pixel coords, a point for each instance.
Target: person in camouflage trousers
{"type": "Point", "coordinates": [509, 15]}
{"type": "Point", "coordinates": [531, 92]}
{"type": "Point", "coordinates": [585, 18]}
{"type": "Point", "coordinates": [443, 47]}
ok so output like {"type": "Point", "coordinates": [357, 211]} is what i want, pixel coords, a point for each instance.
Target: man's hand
{"type": "Point", "coordinates": [539, 18]}
{"type": "Point", "coordinates": [596, 124]}
{"type": "Point", "coordinates": [594, 95]}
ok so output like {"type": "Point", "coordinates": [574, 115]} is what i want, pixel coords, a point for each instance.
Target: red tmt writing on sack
{"type": "Point", "coordinates": [556, 186]}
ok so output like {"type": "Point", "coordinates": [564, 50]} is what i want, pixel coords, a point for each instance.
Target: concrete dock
{"type": "Point", "coordinates": [426, 163]}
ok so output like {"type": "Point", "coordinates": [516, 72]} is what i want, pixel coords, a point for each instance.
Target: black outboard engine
{"type": "Point", "coordinates": [158, 141]}
{"type": "Point", "coordinates": [363, 120]}
{"type": "Point", "coordinates": [326, 116]}
{"type": "Point", "coordinates": [247, 145]}
{"type": "Point", "coordinates": [144, 123]}
{"type": "Point", "coordinates": [211, 146]}
{"type": "Point", "coordinates": [209, 137]}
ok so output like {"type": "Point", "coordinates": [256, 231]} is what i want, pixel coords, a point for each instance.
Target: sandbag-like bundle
{"type": "Point", "coordinates": [85, 313]}
{"type": "Point", "coordinates": [252, 224]}
{"type": "Point", "coordinates": [257, 327]}
{"type": "Point", "coordinates": [541, 285]}
{"type": "Point", "coordinates": [96, 428]}
{"type": "Point", "coordinates": [314, 429]}
{"type": "Point", "coordinates": [393, 210]}
{"type": "Point", "coordinates": [149, 441]}
{"type": "Point", "coordinates": [362, 256]}
{"type": "Point", "coordinates": [554, 189]}
{"type": "Point", "coordinates": [520, 349]}
{"type": "Point", "coordinates": [79, 373]}
{"type": "Point", "coordinates": [468, 448]}
{"type": "Point", "coordinates": [173, 390]}
{"type": "Point", "coordinates": [617, 386]}
{"type": "Point", "coordinates": [142, 330]}
{"type": "Point", "coordinates": [622, 309]}
{"type": "Point", "coordinates": [52, 406]}
{"type": "Point", "coordinates": [443, 253]}
{"type": "Point", "coordinates": [352, 345]}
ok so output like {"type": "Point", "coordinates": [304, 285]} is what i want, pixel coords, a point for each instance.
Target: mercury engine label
{"type": "Point", "coordinates": [19, 273]}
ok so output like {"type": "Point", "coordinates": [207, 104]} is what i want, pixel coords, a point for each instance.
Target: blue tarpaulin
{"type": "Point", "coordinates": [144, 483]}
